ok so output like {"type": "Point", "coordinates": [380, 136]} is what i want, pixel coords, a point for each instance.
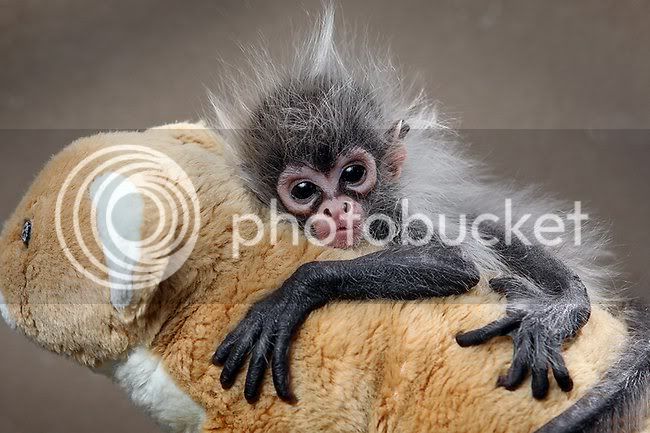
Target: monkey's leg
{"type": "Point", "coordinates": [547, 305]}
{"type": "Point", "coordinates": [401, 273]}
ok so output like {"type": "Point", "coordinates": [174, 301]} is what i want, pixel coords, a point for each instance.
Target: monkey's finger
{"type": "Point", "coordinates": [540, 383]}
{"type": "Point", "coordinates": [236, 358]}
{"type": "Point", "coordinates": [539, 365]}
{"type": "Point", "coordinates": [257, 367]}
{"type": "Point", "coordinates": [517, 371]}
{"type": "Point", "coordinates": [280, 366]}
{"type": "Point", "coordinates": [223, 351]}
{"type": "Point", "coordinates": [479, 336]}
{"type": "Point", "coordinates": [560, 372]}
{"type": "Point", "coordinates": [252, 321]}
{"type": "Point", "coordinates": [221, 354]}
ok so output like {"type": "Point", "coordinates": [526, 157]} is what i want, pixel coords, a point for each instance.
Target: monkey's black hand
{"type": "Point", "coordinates": [266, 333]}
{"type": "Point", "coordinates": [395, 274]}
{"type": "Point", "coordinates": [539, 325]}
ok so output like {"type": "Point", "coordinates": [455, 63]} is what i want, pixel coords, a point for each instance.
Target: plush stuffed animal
{"type": "Point", "coordinates": [121, 298]}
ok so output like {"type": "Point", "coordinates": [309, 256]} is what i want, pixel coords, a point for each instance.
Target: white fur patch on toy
{"type": "Point", "coordinates": [144, 378]}
{"type": "Point", "coordinates": [119, 213]}
{"type": "Point", "coordinates": [4, 312]}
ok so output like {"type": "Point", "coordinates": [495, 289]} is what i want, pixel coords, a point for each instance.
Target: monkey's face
{"type": "Point", "coordinates": [320, 146]}
{"type": "Point", "coordinates": [334, 199]}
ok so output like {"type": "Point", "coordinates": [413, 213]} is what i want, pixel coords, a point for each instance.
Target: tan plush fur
{"type": "Point", "coordinates": [377, 367]}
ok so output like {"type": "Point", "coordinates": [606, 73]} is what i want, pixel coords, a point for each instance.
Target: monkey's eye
{"type": "Point", "coordinates": [26, 233]}
{"type": "Point", "coordinates": [304, 191]}
{"type": "Point", "coordinates": [354, 173]}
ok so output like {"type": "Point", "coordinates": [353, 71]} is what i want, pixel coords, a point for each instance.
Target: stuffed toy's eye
{"type": "Point", "coordinates": [26, 234]}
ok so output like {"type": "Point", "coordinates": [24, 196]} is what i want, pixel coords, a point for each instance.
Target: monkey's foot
{"type": "Point", "coordinates": [538, 328]}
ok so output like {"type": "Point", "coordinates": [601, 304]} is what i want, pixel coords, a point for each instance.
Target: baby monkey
{"type": "Point", "coordinates": [315, 145]}
{"type": "Point", "coordinates": [341, 141]}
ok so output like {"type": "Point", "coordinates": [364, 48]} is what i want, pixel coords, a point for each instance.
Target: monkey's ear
{"type": "Point", "coordinates": [394, 159]}
{"type": "Point", "coordinates": [398, 131]}
{"type": "Point", "coordinates": [394, 162]}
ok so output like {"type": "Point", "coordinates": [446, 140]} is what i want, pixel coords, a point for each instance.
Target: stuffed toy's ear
{"type": "Point", "coordinates": [118, 211]}
{"type": "Point", "coordinates": [145, 218]}
{"type": "Point", "coordinates": [118, 208]}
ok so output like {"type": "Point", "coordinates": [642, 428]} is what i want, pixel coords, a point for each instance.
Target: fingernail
{"type": "Point", "coordinates": [252, 399]}
{"type": "Point", "coordinates": [460, 340]}
{"type": "Point", "coordinates": [226, 383]}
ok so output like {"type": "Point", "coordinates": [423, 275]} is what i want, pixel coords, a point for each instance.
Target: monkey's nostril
{"type": "Point", "coordinates": [327, 212]}
{"type": "Point", "coordinates": [346, 207]}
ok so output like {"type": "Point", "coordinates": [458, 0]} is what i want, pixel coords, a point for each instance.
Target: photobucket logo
{"type": "Point", "coordinates": [416, 229]}
{"type": "Point", "coordinates": [140, 224]}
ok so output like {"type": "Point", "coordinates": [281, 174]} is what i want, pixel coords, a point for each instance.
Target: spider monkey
{"type": "Point", "coordinates": [341, 140]}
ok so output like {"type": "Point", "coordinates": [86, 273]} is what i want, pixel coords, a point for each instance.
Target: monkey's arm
{"type": "Point", "coordinates": [547, 305]}
{"type": "Point", "coordinates": [401, 273]}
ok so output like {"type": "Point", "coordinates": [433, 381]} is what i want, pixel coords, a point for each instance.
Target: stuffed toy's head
{"type": "Point", "coordinates": [105, 222]}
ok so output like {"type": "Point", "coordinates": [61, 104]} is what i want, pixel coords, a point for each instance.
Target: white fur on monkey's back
{"type": "Point", "coordinates": [438, 178]}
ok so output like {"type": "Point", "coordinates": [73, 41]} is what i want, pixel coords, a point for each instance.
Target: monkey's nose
{"type": "Point", "coordinates": [347, 206]}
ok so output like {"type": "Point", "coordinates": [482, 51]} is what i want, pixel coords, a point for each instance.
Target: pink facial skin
{"type": "Point", "coordinates": [338, 220]}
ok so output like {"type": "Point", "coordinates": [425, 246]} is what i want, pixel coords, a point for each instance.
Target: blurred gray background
{"type": "Point", "coordinates": [549, 92]}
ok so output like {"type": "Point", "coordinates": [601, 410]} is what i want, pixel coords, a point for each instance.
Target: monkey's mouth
{"type": "Point", "coordinates": [346, 237]}
{"type": "Point", "coordinates": [341, 235]}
